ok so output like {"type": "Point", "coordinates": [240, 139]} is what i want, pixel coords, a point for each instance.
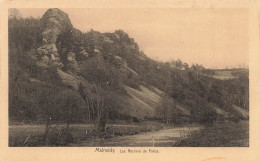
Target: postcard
{"type": "Point", "coordinates": [127, 80]}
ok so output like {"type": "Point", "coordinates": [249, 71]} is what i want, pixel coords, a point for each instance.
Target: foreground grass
{"type": "Point", "coordinates": [219, 135]}
{"type": "Point", "coordinates": [31, 135]}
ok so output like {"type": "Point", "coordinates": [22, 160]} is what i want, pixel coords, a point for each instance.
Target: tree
{"type": "Point", "coordinates": [186, 66]}
{"type": "Point", "coordinates": [100, 110]}
{"type": "Point", "coordinates": [167, 110]}
{"type": "Point", "coordinates": [178, 64]}
{"type": "Point", "coordinates": [13, 13]}
{"type": "Point", "coordinates": [94, 99]}
{"type": "Point", "coordinates": [62, 105]}
{"type": "Point", "coordinates": [70, 104]}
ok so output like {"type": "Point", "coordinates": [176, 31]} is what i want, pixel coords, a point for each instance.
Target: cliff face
{"type": "Point", "coordinates": [54, 22]}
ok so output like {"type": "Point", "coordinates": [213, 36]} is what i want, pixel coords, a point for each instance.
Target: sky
{"type": "Point", "coordinates": [215, 38]}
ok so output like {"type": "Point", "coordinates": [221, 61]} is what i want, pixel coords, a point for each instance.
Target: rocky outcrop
{"type": "Point", "coordinates": [54, 23]}
{"type": "Point", "coordinates": [68, 79]}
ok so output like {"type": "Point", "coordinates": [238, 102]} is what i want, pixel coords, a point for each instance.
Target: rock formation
{"type": "Point", "coordinates": [54, 23]}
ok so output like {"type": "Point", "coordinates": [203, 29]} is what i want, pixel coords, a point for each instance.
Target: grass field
{"type": "Point", "coordinates": [219, 135]}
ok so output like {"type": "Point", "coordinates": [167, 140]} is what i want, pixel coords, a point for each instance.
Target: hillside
{"type": "Point", "coordinates": [59, 72]}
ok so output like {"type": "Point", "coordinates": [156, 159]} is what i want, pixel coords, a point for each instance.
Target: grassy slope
{"type": "Point", "coordinates": [143, 102]}
{"type": "Point", "coordinates": [242, 111]}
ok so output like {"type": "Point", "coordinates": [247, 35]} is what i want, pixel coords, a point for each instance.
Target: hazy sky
{"type": "Point", "coordinates": [215, 38]}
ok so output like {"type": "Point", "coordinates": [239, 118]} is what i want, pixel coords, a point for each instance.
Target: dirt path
{"type": "Point", "coordinates": [164, 138]}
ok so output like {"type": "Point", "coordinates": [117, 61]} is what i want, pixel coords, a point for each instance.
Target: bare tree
{"type": "Point", "coordinates": [95, 105]}
{"type": "Point", "coordinates": [100, 110]}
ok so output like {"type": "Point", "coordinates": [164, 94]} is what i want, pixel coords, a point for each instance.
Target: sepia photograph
{"type": "Point", "coordinates": [128, 77]}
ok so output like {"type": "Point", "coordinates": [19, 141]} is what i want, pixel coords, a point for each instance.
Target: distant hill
{"type": "Point", "coordinates": [60, 72]}
{"type": "Point", "coordinates": [224, 74]}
